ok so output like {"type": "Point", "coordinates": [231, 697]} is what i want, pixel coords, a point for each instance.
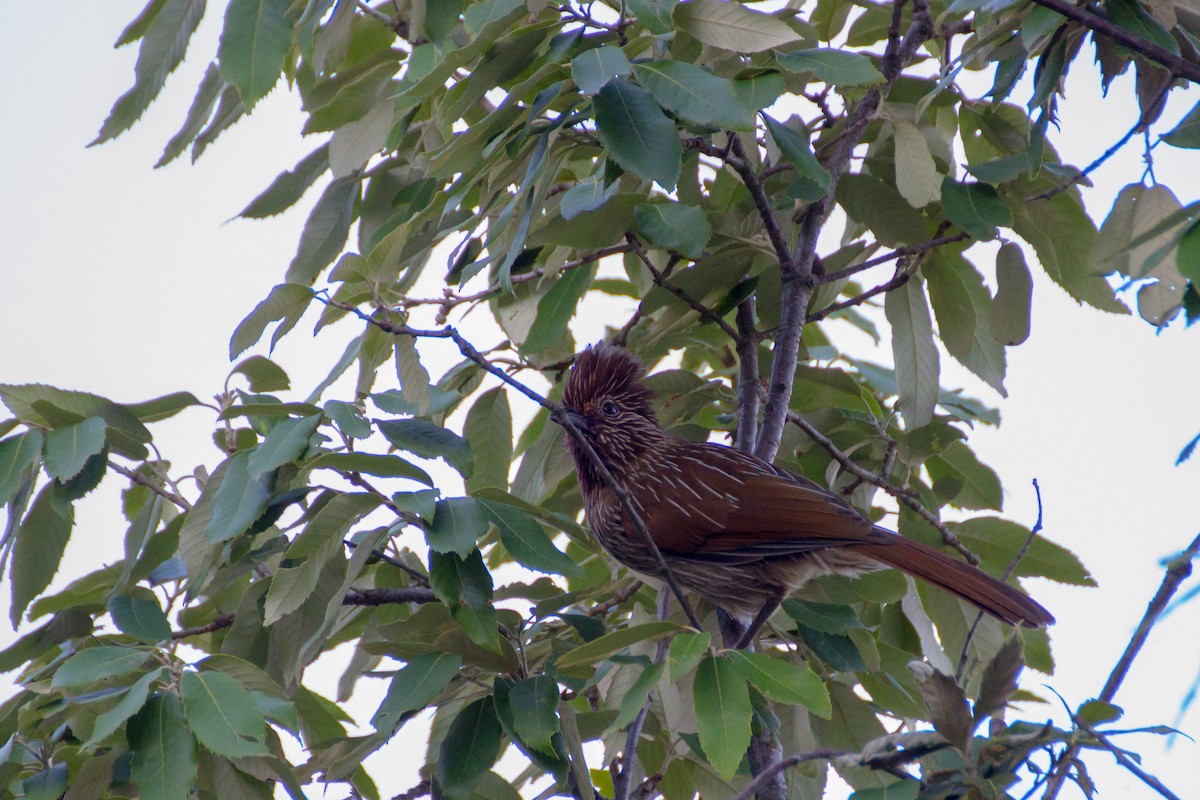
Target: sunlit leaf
{"type": "Point", "coordinates": [722, 712]}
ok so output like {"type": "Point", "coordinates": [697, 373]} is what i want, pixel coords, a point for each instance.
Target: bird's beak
{"type": "Point", "coordinates": [578, 420]}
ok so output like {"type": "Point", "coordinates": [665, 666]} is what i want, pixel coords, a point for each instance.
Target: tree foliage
{"type": "Point", "coordinates": [738, 174]}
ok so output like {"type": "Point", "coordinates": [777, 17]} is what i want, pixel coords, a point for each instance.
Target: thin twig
{"type": "Point", "coordinates": [1126, 762]}
{"type": "Point", "coordinates": [616, 600]}
{"type": "Point", "coordinates": [783, 764]}
{"type": "Point", "coordinates": [142, 480]}
{"type": "Point", "coordinates": [222, 621]}
{"type": "Point", "coordinates": [661, 280]}
{"type": "Point", "coordinates": [384, 597]}
{"type": "Point", "coordinates": [899, 252]}
{"type": "Point", "coordinates": [623, 780]}
{"type": "Point", "coordinates": [1178, 570]}
{"type": "Point", "coordinates": [741, 164]}
{"type": "Point", "coordinates": [1012, 566]}
{"type": "Point", "coordinates": [903, 274]}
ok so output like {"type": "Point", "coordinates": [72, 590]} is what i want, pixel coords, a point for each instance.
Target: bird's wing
{"type": "Point", "coordinates": [734, 506]}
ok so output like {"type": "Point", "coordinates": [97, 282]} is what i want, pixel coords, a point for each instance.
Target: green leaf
{"type": "Point", "coordinates": [674, 226]}
{"type": "Point", "coordinates": [349, 419]}
{"type": "Point", "coordinates": [1009, 316]}
{"type": "Point", "coordinates": [288, 187]}
{"type": "Point", "coordinates": [163, 47]}
{"type": "Point", "coordinates": [588, 195]}
{"type": "Point", "coordinates": [694, 94]}
{"type": "Point", "coordinates": [556, 308]}
{"type": "Point", "coordinates": [535, 712]}
{"type": "Point", "coordinates": [140, 617]}
{"type": "Point", "coordinates": [1188, 258]}
{"type": "Point", "coordinates": [222, 714]}
{"type": "Point", "coordinates": [974, 207]}
{"type": "Point", "coordinates": [286, 302]}
{"type": "Point", "coordinates": [97, 664]}
{"type": "Point", "coordinates": [722, 706]}
{"type": "Point", "coordinates": [732, 26]}
{"type": "Point", "coordinates": [917, 177]}
{"type": "Point", "coordinates": [593, 68]}
{"type": "Point", "coordinates": [163, 407]}
{"type": "Point", "coordinates": [636, 133]}
{"type": "Point", "coordinates": [878, 205]}
{"type": "Point", "coordinates": [199, 113]}
{"type": "Point", "coordinates": [526, 541]}
{"type": "Point", "coordinates": [1131, 16]}
{"type": "Point", "coordinates": [286, 442]}
{"type": "Point", "coordinates": [488, 428]}
{"type": "Point", "coordinates": [17, 455]}
{"type": "Point", "coordinates": [1187, 133]}
{"type": "Point", "coordinates": [254, 45]}
{"type": "Point", "coordinates": [796, 150]}
{"type": "Point", "coordinates": [783, 681]}
{"type": "Point", "coordinates": [40, 543]}
{"type": "Point", "coordinates": [824, 617]}
{"type": "Point", "coordinates": [137, 29]}
{"type": "Point", "coordinates": [240, 499]}
{"type": "Point", "coordinates": [999, 681]}
{"type": "Point", "coordinates": [382, 466]}
{"type": "Point", "coordinates": [997, 541]}
{"type": "Point", "coordinates": [612, 643]}
{"type": "Point", "coordinates": [635, 696]}
{"type": "Point", "coordinates": [422, 503]}
{"type": "Point", "coordinates": [915, 353]}
{"type": "Point", "coordinates": [685, 653]}
{"type": "Point", "coordinates": [1098, 712]}
{"type": "Point", "coordinates": [263, 373]}
{"type": "Point", "coordinates": [979, 488]}
{"type": "Point", "coordinates": [471, 746]}
{"type": "Point", "coordinates": [458, 524]}
{"type": "Point", "coordinates": [465, 587]}
{"type": "Point", "coordinates": [427, 440]}
{"type": "Point", "coordinates": [414, 378]}
{"type": "Point", "coordinates": [759, 91]}
{"type": "Point", "coordinates": [836, 67]}
{"type": "Point", "coordinates": [414, 687]}
{"type": "Point", "coordinates": [110, 719]}
{"type": "Point", "coordinates": [164, 762]}
{"type": "Point", "coordinates": [324, 233]}
{"type": "Point", "coordinates": [48, 407]}
{"type": "Point", "coordinates": [654, 14]}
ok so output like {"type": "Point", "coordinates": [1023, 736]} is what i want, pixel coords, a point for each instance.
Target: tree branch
{"type": "Point", "coordinates": [749, 386]}
{"type": "Point", "coordinates": [661, 280]}
{"type": "Point", "coordinates": [742, 165]}
{"type": "Point", "coordinates": [784, 764]}
{"type": "Point", "coordinates": [623, 780]}
{"type": "Point", "coordinates": [222, 621]}
{"type": "Point", "coordinates": [899, 252]}
{"type": "Point", "coordinates": [384, 597]}
{"type": "Point", "coordinates": [1177, 572]}
{"type": "Point", "coordinates": [142, 480]}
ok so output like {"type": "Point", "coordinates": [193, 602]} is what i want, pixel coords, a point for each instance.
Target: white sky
{"type": "Point", "coordinates": [124, 281]}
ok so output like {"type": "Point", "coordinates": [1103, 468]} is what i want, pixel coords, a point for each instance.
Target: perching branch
{"type": "Point", "coordinates": [749, 385]}
{"type": "Point", "coordinates": [1178, 570]}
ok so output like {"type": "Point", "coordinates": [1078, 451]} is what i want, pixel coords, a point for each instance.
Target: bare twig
{"type": "Point", "coordinates": [899, 252]}
{"type": "Point", "coordinates": [222, 621]}
{"type": "Point", "coordinates": [159, 490]}
{"type": "Point", "coordinates": [384, 597]}
{"type": "Point", "coordinates": [784, 764]}
{"type": "Point", "coordinates": [623, 779]}
{"type": "Point", "coordinates": [661, 280]}
{"type": "Point", "coordinates": [422, 789]}
{"type": "Point", "coordinates": [1177, 572]}
{"type": "Point", "coordinates": [903, 273]}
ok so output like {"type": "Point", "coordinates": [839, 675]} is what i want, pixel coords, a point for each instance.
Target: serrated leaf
{"type": "Point", "coordinates": [836, 67]}
{"type": "Point", "coordinates": [471, 746]}
{"type": "Point", "coordinates": [97, 664]}
{"type": "Point", "coordinates": [1187, 133]}
{"type": "Point", "coordinates": [947, 704]}
{"type": "Point", "coordinates": [465, 587]}
{"type": "Point", "coordinates": [40, 543]}
{"type": "Point", "coordinates": [414, 687]}
{"type": "Point", "coordinates": [695, 94]}
{"type": "Point", "coordinates": [424, 439]}
{"type": "Point", "coordinates": [916, 355]}
{"type": "Point", "coordinates": [1098, 712]}
{"type": "Point", "coordinates": [999, 680]}
{"type": "Point", "coordinates": [1130, 15]}
{"type": "Point", "coordinates": [349, 418]}
{"type": "Point", "coordinates": [997, 541]}
{"type": "Point", "coordinates": [488, 428]}
{"type": "Point", "coordinates": [963, 306]}
{"type": "Point", "coordinates": [17, 455]}
{"type": "Point", "coordinates": [240, 499]}
{"type": "Point", "coordinates": [732, 26]}
{"type": "Point", "coordinates": [784, 681]}
{"type": "Point", "coordinates": [288, 187]}
{"type": "Point", "coordinates": [110, 719]}
{"type": "Point", "coordinates": [325, 232]}
{"type": "Point", "coordinates": [201, 109]}
{"type": "Point", "coordinates": [160, 408]}
{"type": "Point", "coordinates": [414, 378]}
{"type": "Point", "coordinates": [593, 68]}
{"type": "Point", "coordinates": [263, 374]}
{"type": "Point", "coordinates": [286, 302]}
{"type": "Point", "coordinates": [974, 207]}
{"type": "Point", "coordinates": [556, 307]}
{"type": "Point", "coordinates": [636, 134]}
{"type": "Point", "coordinates": [354, 143]}
{"type": "Point", "coordinates": [979, 485]}
{"type": "Point", "coordinates": [722, 707]}
{"type": "Point", "coordinates": [286, 442]}
{"type": "Point", "coordinates": [254, 44]}
{"type": "Point", "coordinates": [382, 466]}
{"type": "Point", "coordinates": [612, 643]}
{"type": "Point", "coordinates": [49, 407]}
{"type": "Point", "coordinates": [458, 524]}
{"type": "Point", "coordinates": [1011, 311]}
{"type": "Point", "coordinates": [824, 617]}
{"type": "Point", "coordinates": [163, 47]}
{"type": "Point", "coordinates": [878, 205]}
{"type": "Point", "coordinates": [222, 714]}
{"type": "Point", "coordinates": [526, 541]}
{"type": "Point", "coordinates": [674, 226]}
{"type": "Point", "coordinates": [685, 653]}
{"type": "Point", "coordinates": [164, 760]}
{"type": "Point", "coordinates": [140, 617]}
{"type": "Point", "coordinates": [535, 712]}
{"type": "Point", "coordinates": [917, 177]}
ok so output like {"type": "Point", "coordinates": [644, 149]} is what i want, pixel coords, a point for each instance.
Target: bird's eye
{"type": "Point", "coordinates": [609, 408]}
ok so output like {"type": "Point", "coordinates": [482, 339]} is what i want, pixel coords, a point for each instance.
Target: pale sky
{"type": "Point", "coordinates": [126, 281]}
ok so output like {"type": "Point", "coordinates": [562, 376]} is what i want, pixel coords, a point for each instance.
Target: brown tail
{"type": "Point", "coordinates": [960, 579]}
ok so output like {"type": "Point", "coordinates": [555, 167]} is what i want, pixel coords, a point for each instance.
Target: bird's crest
{"type": "Point", "coordinates": [604, 370]}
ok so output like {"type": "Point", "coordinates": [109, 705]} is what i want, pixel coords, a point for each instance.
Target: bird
{"type": "Point", "coordinates": [730, 526]}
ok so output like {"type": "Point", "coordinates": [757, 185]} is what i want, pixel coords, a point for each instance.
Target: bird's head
{"type": "Point", "coordinates": [608, 403]}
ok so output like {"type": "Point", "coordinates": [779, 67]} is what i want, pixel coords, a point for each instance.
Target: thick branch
{"type": "Point", "coordinates": [1177, 572]}
{"type": "Point", "coordinates": [1104, 27]}
{"type": "Point", "coordinates": [383, 597]}
{"type": "Point", "coordinates": [749, 386]}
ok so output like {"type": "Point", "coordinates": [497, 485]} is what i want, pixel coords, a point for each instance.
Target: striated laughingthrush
{"type": "Point", "coordinates": [736, 529]}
